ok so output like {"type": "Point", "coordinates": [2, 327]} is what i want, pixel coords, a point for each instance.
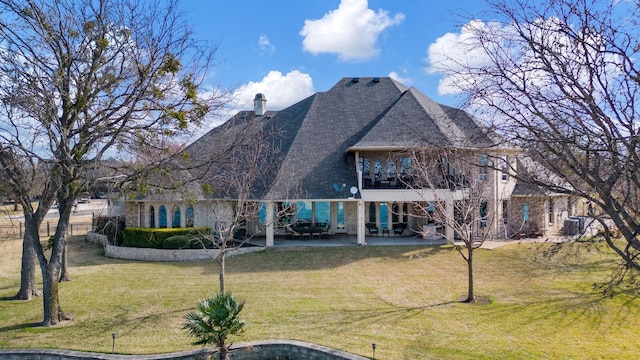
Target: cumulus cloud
{"type": "Point", "coordinates": [265, 45]}
{"type": "Point", "coordinates": [351, 31]}
{"type": "Point", "coordinates": [397, 77]}
{"type": "Point", "coordinates": [452, 53]}
{"type": "Point", "coordinates": [281, 90]}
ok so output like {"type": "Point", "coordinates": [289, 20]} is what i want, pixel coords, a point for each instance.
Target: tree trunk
{"type": "Point", "coordinates": [53, 313]}
{"type": "Point", "coordinates": [470, 295]}
{"type": "Point", "coordinates": [64, 273]}
{"type": "Point", "coordinates": [28, 287]}
{"type": "Point", "coordinates": [222, 270]}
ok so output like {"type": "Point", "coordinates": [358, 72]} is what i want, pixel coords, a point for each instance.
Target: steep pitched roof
{"type": "Point", "coordinates": [416, 121]}
{"type": "Point", "coordinates": [316, 135]}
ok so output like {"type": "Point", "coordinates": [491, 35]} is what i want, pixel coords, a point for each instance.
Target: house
{"type": "Point", "coordinates": [342, 162]}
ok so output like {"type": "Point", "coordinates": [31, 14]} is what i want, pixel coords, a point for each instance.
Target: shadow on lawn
{"type": "Point", "coordinates": [321, 258]}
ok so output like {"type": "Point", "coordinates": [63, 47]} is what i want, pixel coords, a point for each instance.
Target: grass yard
{"type": "Point", "coordinates": [401, 298]}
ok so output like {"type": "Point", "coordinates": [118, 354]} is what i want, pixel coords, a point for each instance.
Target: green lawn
{"type": "Point", "coordinates": [401, 298]}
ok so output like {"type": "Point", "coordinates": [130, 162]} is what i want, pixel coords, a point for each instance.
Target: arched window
{"type": "Point", "coordinates": [372, 212]}
{"type": "Point", "coordinates": [175, 222]}
{"type": "Point", "coordinates": [152, 217]}
{"type": "Point", "coordinates": [188, 217]}
{"type": "Point", "coordinates": [384, 216]}
{"type": "Point", "coordinates": [405, 213]}
{"type": "Point", "coordinates": [162, 216]}
{"type": "Point", "coordinates": [395, 213]}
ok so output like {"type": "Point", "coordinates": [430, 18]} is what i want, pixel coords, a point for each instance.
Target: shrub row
{"type": "Point", "coordinates": [155, 238]}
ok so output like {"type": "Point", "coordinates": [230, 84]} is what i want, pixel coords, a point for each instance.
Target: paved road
{"type": "Point", "coordinates": [96, 206]}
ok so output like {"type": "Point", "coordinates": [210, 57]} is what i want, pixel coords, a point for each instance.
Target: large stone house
{"type": "Point", "coordinates": [343, 166]}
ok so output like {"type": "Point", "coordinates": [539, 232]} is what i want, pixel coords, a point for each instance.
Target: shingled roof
{"type": "Point", "coordinates": [317, 134]}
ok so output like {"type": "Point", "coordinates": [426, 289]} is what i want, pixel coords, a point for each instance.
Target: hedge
{"type": "Point", "coordinates": [187, 242]}
{"type": "Point", "coordinates": [154, 238]}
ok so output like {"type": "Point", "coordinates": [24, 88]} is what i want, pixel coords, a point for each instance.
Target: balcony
{"type": "Point", "coordinates": [452, 182]}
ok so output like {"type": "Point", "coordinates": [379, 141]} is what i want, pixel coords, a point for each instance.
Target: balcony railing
{"type": "Point", "coordinates": [451, 182]}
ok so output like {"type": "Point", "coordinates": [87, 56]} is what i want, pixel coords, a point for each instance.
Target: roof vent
{"type": "Point", "coordinates": [355, 80]}
{"type": "Point", "coordinates": [260, 104]}
{"type": "Point", "coordinates": [376, 80]}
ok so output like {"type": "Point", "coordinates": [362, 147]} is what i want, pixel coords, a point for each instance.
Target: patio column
{"type": "Point", "coordinates": [361, 228]}
{"type": "Point", "coordinates": [270, 224]}
{"type": "Point", "coordinates": [449, 231]}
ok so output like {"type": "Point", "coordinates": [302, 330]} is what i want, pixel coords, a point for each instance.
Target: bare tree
{"type": "Point", "coordinates": [241, 162]}
{"type": "Point", "coordinates": [456, 189]}
{"type": "Point", "coordinates": [84, 78]}
{"type": "Point", "coordinates": [560, 80]}
{"type": "Point", "coordinates": [24, 178]}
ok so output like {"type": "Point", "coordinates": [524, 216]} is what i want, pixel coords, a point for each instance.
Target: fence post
{"type": "Point", "coordinates": [20, 229]}
{"type": "Point", "coordinates": [71, 229]}
{"type": "Point", "coordinates": [48, 232]}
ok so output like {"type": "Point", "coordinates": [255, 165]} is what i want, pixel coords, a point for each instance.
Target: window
{"type": "Point", "coordinates": [505, 212]}
{"type": "Point", "coordinates": [372, 212]}
{"type": "Point", "coordinates": [405, 166]}
{"type": "Point", "coordinates": [364, 166]}
{"type": "Point", "coordinates": [188, 217]}
{"type": "Point", "coordinates": [431, 210]}
{"type": "Point", "coordinates": [484, 215]}
{"type": "Point", "coordinates": [152, 217]}
{"type": "Point", "coordinates": [505, 168]}
{"type": "Point", "coordinates": [377, 171]}
{"type": "Point", "coordinates": [391, 169]}
{"type": "Point", "coordinates": [395, 213]}
{"type": "Point", "coordinates": [384, 216]}
{"type": "Point", "coordinates": [162, 216]}
{"type": "Point", "coordinates": [550, 211]}
{"type": "Point", "coordinates": [322, 212]}
{"type": "Point", "coordinates": [483, 162]}
{"type": "Point", "coordinates": [405, 213]}
{"type": "Point", "coordinates": [304, 211]}
{"type": "Point", "coordinates": [340, 218]}
{"type": "Point", "coordinates": [175, 223]}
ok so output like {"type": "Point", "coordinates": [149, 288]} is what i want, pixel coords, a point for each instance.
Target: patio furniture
{"type": "Point", "coordinates": [372, 228]}
{"type": "Point", "coordinates": [398, 229]}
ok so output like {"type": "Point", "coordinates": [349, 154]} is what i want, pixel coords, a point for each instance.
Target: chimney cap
{"type": "Point", "coordinates": [260, 96]}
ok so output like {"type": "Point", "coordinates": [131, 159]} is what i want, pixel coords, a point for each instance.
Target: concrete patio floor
{"type": "Point", "coordinates": [350, 240]}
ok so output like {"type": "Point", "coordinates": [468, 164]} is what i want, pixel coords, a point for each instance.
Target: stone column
{"type": "Point", "coordinates": [449, 231]}
{"type": "Point", "coordinates": [361, 226]}
{"type": "Point", "coordinates": [270, 225]}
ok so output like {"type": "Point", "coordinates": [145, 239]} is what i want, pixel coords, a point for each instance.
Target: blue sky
{"type": "Point", "coordinates": [289, 49]}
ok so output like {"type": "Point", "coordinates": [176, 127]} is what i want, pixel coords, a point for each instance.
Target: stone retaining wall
{"type": "Point", "coordinates": [148, 254]}
{"type": "Point", "coordinates": [257, 350]}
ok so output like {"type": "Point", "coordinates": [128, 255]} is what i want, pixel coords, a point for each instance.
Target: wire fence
{"type": "Point", "coordinates": [15, 229]}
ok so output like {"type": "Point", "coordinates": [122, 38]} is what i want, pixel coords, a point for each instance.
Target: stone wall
{"type": "Point", "coordinates": [148, 254]}
{"type": "Point", "coordinates": [257, 350]}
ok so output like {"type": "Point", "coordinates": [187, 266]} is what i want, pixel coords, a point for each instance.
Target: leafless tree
{"type": "Point", "coordinates": [456, 191]}
{"type": "Point", "coordinates": [238, 164]}
{"type": "Point", "coordinates": [24, 177]}
{"type": "Point", "coordinates": [80, 79]}
{"type": "Point", "coordinates": [559, 79]}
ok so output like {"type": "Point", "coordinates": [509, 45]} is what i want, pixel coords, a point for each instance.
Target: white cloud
{"type": "Point", "coordinates": [351, 31]}
{"type": "Point", "coordinates": [397, 77]}
{"type": "Point", "coordinates": [280, 90]}
{"type": "Point", "coordinates": [265, 45]}
{"type": "Point", "coordinates": [452, 53]}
